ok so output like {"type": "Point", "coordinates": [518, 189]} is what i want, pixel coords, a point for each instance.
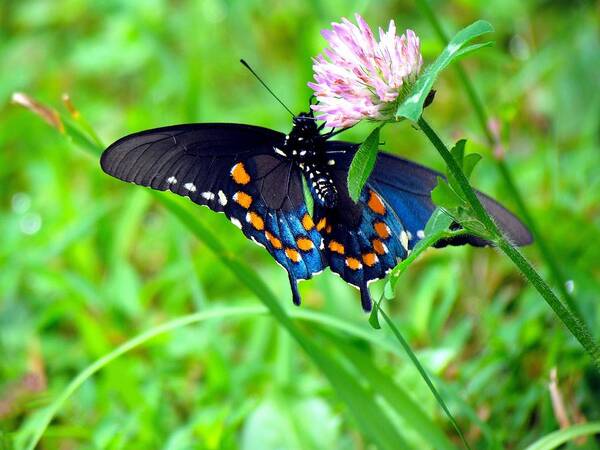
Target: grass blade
{"type": "Point", "coordinates": [425, 376]}
{"type": "Point", "coordinates": [560, 437]}
{"type": "Point", "coordinates": [89, 371]}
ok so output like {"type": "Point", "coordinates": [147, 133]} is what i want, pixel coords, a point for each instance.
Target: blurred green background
{"type": "Point", "coordinates": [87, 262]}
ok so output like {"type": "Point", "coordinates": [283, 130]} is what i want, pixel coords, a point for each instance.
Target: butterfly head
{"type": "Point", "coordinates": [305, 124]}
{"type": "Point", "coordinates": [304, 137]}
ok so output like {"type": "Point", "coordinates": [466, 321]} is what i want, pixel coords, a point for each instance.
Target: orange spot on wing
{"type": "Point", "coordinates": [304, 244]}
{"type": "Point", "coordinates": [353, 263]}
{"type": "Point", "coordinates": [375, 203]}
{"type": "Point", "coordinates": [336, 247]}
{"type": "Point", "coordinates": [276, 243]}
{"type": "Point", "coordinates": [243, 199]}
{"type": "Point", "coordinates": [382, 230]}
{"type": "Point", "coordinates": [370, 259]}
{"type": "Point", "coordinates": [307, 222]}
{"type": "Point", "coordinates": [293, 255]}
{"type": "Point", "coordinates": [239, 174]}
{"type": "Point", "coordinates": [379, 247]}
{"type": "Point", "coordinates": [321, 224]}
{"type": "Point", "coordinates": [256, 221]}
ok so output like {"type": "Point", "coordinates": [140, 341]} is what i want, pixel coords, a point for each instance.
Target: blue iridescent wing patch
{"type": "Point", "coordinates": [367, 251]}
{"type": "Point", "coordinates": [268, 206]}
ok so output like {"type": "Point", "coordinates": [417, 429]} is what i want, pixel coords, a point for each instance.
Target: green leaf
{"type": "Point", "coordinates": [469, 163]}
{"type": "Point", "coordinates": [437, 228]}
{"type": "Point", "coordinates": [308, 198]}
{"type": "Point", "coordinates": [439, 221]}
{"type": "Point", "coordinates": [374, 317]}
{"type": "Point", "coordinates": [412, 107]}
{"type": "Point", "coordinates": [443, 195]}
{"type": "Point", "coordinates": [362, 164]}
{"type": "Point", "coordinates": [473, 48]}
{"type": "Point", "coordinates": [458, 151]}
{"type": "Point", "coordinates": [557, 438]}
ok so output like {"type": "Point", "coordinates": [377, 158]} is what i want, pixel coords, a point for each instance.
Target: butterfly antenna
{"type": "Point", "coordinates": [247, 66]}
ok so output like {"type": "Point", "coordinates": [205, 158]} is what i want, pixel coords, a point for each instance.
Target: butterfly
{"type": "Point", "coordinates": [255, 176]}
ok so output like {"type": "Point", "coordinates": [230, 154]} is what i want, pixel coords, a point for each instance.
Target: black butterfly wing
{"type": "Point", "coordinates": [232, 169]}
{"type": "Point", "coordinates": [390, 217]}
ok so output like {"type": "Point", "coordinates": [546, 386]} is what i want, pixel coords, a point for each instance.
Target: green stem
{"type": "Point", "coordinates": [572, 322]}
{"type": "Point", "coordinates": [478, 208]}
{"type": "Point", "coordinates": [576, 326]}
{"type": "Point", "coordinates": [483, 119]}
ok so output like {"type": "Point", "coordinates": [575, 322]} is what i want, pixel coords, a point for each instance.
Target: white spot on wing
{"type": "Point", "coordinates": [420, 234]}
{"type": "Point", "coordinates": [331, 162]}
{"type": "Point", "coordinates": [236, 222]}
{"type": "Point", "coordinates": [172, 180]}
{"type": "Point", "coordinates": [280, 152]}
{"type": "Point", "coordinates": [404, 239]}
{"type": "Point", "coordinates": [207, 195]}
{"type": "Point", "coordinates": [190, 187]}
{"type": "Point", "coordinates": [222, 198]}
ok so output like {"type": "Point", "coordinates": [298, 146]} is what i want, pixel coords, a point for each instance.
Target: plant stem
{"type": "Point", "coordinates": [483, 119]}
{"type": "Point", "coordinates": [572, 322]}
{"type": "Point", "coordinates": [478, 208]}
{"type": "Point", "coordinates": [576, 326]}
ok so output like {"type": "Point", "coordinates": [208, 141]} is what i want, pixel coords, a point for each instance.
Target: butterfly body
{"type": "Point", "coordinates": [305, 146]}
{"type": "Point", "coordinates": [254, 176]}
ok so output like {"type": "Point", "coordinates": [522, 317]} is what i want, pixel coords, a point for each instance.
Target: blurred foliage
{"type": "Point", "coordinates": [87, 262]}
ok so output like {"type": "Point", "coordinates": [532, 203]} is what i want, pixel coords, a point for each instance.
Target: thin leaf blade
{"type": "Point", "coordinates": [363, 163]}
{"type": "Point", "coordinates": [412, 107]}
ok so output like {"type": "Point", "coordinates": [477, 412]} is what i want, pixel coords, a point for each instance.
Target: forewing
{"type": "Point", "coordinates": [190, 160]}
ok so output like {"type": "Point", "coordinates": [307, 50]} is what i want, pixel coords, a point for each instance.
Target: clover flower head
{"type": "Point", "coordinates": [359, 78]}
